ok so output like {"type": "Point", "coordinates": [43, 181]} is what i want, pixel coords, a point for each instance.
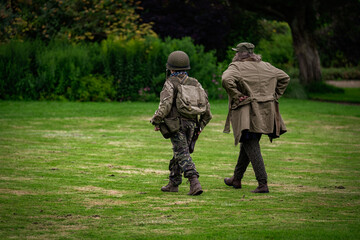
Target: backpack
{"type": "Point", "coordinates": [191, 100]}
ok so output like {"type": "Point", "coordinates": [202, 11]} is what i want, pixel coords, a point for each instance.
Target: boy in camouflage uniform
{"type": "Point", "coordinates": [182, 127]}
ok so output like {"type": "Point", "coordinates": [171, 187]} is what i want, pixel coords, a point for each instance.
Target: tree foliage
{"type": "Point", "coordinates": [212, 23]}
{"type": "Point", "coordinates": [320, 29]}
{"type": "Point", "coordinates": [77, 20]}
{"type": "Point", "coordinates": [338, 35]}
{"type": "Point", "coordinates": [305, 19]}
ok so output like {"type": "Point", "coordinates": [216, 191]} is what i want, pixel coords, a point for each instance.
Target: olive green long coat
{"type": "Point", "coordinates": [259, 113]}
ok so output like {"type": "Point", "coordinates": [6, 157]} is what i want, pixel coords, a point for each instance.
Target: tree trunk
{"type": "Point", "coordinates": [305, 50]}
{"type": "Point", "coordinates": [301, 15]}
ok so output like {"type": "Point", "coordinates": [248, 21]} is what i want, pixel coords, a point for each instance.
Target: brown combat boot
{"type": "Point", "coordinates": [195, 187]}
{"type": "Point", "coordinates": [170, 187]}
{"type": "Point", "coordinates": [262, 188]}
{"type": "Point", "coordinates": [232, 182]}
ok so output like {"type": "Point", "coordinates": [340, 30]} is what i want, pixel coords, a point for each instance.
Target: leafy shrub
{"type": "Point", "coordinates": [139, 64]}
{"type": "Point", "coordinates": [59, 65]}
{"type": "Point", "coordinates": [63, 70]}
{"type": "Point", "coordinates": [295, 90]}
{"type": "Point", "coordinates": [131, 65]}
{"type": "Point", "coordinates": [278, 51]}
{"type": "Point", "coordinates": [293, 72]}
{"type": "Point", "coordinates": [91, 88]}
{"type": "Point", "coordinates": [16, 65]}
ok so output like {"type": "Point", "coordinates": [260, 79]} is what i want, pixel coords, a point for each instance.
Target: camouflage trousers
{"type": "Point", "coordinates": [182, 161]}
{"type": "Point", "coordinates": [250, 152]}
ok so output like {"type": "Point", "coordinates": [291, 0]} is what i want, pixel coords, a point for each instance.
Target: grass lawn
{"type": "Point", "coordinates": [94, 171]}
{"type": "Point", "coordinates": [351, 95]}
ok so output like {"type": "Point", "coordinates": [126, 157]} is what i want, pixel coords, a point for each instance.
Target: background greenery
{"type": "Point", "coordinates": [75, 170]}
{"type": "Point", "coordinates": [116, 69]}
{"type": "Point", "coordinates": [132, 69]}
{"type": "Point", "coordinates": [94, 170]}
{"type": "Point", "coordinates": [103, 51]}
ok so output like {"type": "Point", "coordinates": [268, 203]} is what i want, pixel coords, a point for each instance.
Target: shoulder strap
{"type": "Point", "coordinates": [176, 81]}
{"type": "Point", "coordinates": [176, 84]}
{"type": "Point", "coordinates": [183, 80]}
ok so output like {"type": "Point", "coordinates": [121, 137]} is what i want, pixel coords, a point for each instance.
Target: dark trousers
{"type": "Point", "coordinates": [250, 152]}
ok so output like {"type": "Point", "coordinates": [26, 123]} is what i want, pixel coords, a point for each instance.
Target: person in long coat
{"type": "Point", "coordinates": [254, 88]}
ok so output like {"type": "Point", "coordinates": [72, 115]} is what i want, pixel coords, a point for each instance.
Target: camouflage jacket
{"type": "Point", "coordinates": [167, 106]}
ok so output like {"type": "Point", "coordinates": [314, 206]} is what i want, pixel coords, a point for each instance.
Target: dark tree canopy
{"type": "Point", "coordinates": [335, 24]}
{"type": "Point", "coordinates": [305, 18]}
{"type": "Point", "coordinates": [321, 29]}
{"type": "Point", "coordinates": [339, 35]}
{"type": "Point", "coordinates": [211, 23]}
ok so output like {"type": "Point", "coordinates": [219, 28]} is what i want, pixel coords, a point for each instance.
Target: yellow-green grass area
{"type": "Point", "coordinates": [73, 170]}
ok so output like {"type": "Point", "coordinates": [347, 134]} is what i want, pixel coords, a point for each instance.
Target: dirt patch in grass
{"type": "Point", "coordinates": [142, 171]}
{"type": "Point", "coordinates": [21, 179]}
{"type": "Point", "coordinates": [164, 209]}
{"type": "Point", "coordinates": [165, 232]}
{"type": "Point", "coordinates": [104, 202]}
{"type": "Point", "coordinates": [144, 118]}
{"type": "Point", "coordinates": [185, 202]}
{"type": "Point", "coordinates": [160, 160]}
{"type": "Point", "coordinates": [155, 171]}
{"type": "Point", "coordinates": [315, 144]}
{"type": "Point", "coordinates": [217, 124]}
{"type": "Point", "coordinates": [212, 176]}
{"type": "Point", "coordinates": [16, 192]}
{"type": "Point", "coordinates": [309, 189]}
{"type": "Point", "coordinates": [330, 127]}
{"type": "Point", "coordinates": [65, 134]}
{"type": "Point", "coordinates": [155, 221]}
{"type": "Point", "coordinates": [137, 171]}
{"type": "Point", "coordinates": [21, 127]}
{"type": "Point", "coordinates": [93, 189]}
{"type": "Point", "coordinates": [62, 230]}
{"type": "Point", "coordinates": [128, 172]}
{"type": "Point", "coordinates": [126, 144]}
{"type": "Point", "coordinates": [330, 171]}
{"type": "Point", "coordinates": [123, 129]}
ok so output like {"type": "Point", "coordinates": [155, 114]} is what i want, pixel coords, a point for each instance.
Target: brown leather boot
{"type": "Point", "coordinates": [170, 187]}
{"type": "Point", "coordinates": [262, 188]}
{"type": "Point", "coordinates": [233, 182]}
{"type": "Point", "coordinates": [195, 187]}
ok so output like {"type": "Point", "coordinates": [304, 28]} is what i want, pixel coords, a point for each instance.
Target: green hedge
{"type": "Point", "coordinates": [17, 78]}
{"type": "Point", "coordinates": [113, 70]}
{"type": "Point", "coordinates": [349, 73]}
{"type": "Point", "coordinates": [119, 70]}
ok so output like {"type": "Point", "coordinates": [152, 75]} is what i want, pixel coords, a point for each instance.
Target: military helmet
{"type": "Point", "coordinates": [178, 60]}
